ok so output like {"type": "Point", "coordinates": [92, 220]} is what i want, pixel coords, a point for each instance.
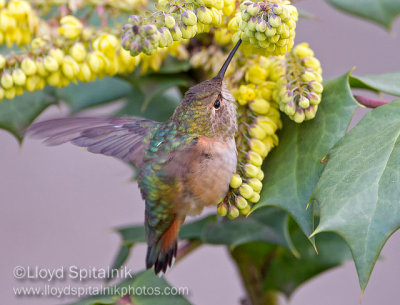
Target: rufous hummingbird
{"type": "Point", "coordinates": [184, 164]}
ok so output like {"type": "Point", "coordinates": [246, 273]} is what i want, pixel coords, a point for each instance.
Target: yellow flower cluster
{"type": "Point", "coordinates": [266, 27]}
{"type": "Point", "coordinates": [258, 122]}
{"type": "Point", "coordinates": [18, 22]}
{"type": "Point", "coordinates": [155, 61]}
{"type": "Point", "coordinates": [299, 87]}
{"type": "Point", "coordinates": [209, 60]}
{"type": "Point", "coordinates": [174, 21]}
{"type": "Point", "coordinates": [45, 63]}
{"type": "Point", "coordinates": [120, 5]}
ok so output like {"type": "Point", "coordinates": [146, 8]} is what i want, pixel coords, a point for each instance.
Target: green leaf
{"type": "Point", "coordinates": [275, 268]}
{"type": "Point", "coordinates": [172, 65]}
{"type": "Point", "coordinates": [17, 114]}
{"type": "Point", "coordinates": [265, 225]}
{"type": "Point", "coordinates": [387, 83]}
{"type": "Point", "coordinates": [132, 235]}
{"type": "Point", "coordinates": [154, 96]}
{"type": "Point", "coordinates": [359, 190]}
{"type": "Point", "coordinates": [195, 230]}
{"type": "Point", "coordinates": [306, 14]}
{"type": "Point", "coordinates": [294, 167]}
{"type": "Point", "coordinates": [81, 96]}
{"type": "Point", "coordinates": [157, 109]}
{"type": "Point", "coordinates": [120, 258]}
{"type": "Point", "coordinates": [286, 272]}
{"type": "Point", "coordinates": [144, 280]}
{"type": "Point", "coordinates": [383, 12]}
{"type": "Point", "coordinates": [136, 234]}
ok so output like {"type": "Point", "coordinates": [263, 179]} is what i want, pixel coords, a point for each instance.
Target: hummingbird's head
{"type": "Point", "coordinates": [209, 108]}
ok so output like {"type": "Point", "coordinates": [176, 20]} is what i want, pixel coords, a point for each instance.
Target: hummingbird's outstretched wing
{"type": "Point", "coordinates": [121, 137]}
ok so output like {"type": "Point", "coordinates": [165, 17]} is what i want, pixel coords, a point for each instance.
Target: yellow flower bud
{"type": "Point", "coordinates": [310, 112]}
{"type": "Point", "coordinates": [19, 77]}
{"type": "Point", "coordinates": [259, 105]}
{"type": "Point", "coordinates": [299, 116]}
{"type": "Point", "coordinates": [188, 31]}
{"type": "Point", "coordinates": [265, 90]}
{"type": "Point", "coordinates": [19, 8]}
{"type": "Point", "coordinates": [2, 61]}
{"type": "Point", "coordinates": [315, 99]}
{"type": "Point", "coordinates": [57, 54]}
{"type": "Point", "coordinates": [256, 74]}
{"type": "Point", "coordinates": [312, 62]}
{"type": "Point", "coordinates": [236, 181]}
{"type": "Point", "coordinates": [302, 50]}
{"type": "Point", "coordinates": [269, 143]}
{"type": "Point", "coordinates": [228, 10]}
{"type": "Point", "coordinates": [32, 82]}
{"type": "Point", "coordinates": [169, 21]}
{"type": "Point", "coordinates": [216, 16]}
{"type": "Point", "coordinates": [255, 184]}
{"type": "Point", "coordinates": [96, 62]}
{"type": "Point", "coordinates": [267, 124]}
{"type": "Point", "coordinates": [233, 212]}
{"type": "Point", "coordinates": [254, 158]}
{"type": "Point", "coordinates": [251, 170]}
{"type": "Point", "coordinates": [204, 15]}
{"type": "Point", "coordinates": [255, 198]}
{"type": "Point", "coordinates": [256, 131]}
{"type": "Point", "coordinates": [222, 36]}
{"type": "Point", "coordinates": [85, 74]}
{"type": "Point", "coordinates": [316, 87]}
{"type": "Point", "coordinates": [9, 93]}
{"type": "Point", "coordinates": [54, 79]}
{"type": "Point", "coordinates": [246, 210]}
{"type": "Point", "coordinates": [70, 27]}
{"type": "Point", "coordinates": [240, 202]}
{"type": "Point", "coordinates": [247, 92]}
{"type": "Point", "coordinates": [258, 146]}
{"type": "Point", "coordinates": [78, 52]}
{"type": "Point", "coordinates": [7, 22]}
{"type": "Point", "coordinates": [28, 66]}
{"type": "Point", "coordinates": [310, 75]}
{"type": "Point", "coordinates": [304, 102]}
{"type": "Point", "coordinates": [260, 175]}
{"type": "Point", "coordinates": [246, 191]}
{"type": "Point", "coordinates": [50, 64]}
{"type": "Point", "coordinates": [107, 44]}
{"type": "Point", "coordinates": [70, 68]}
{"type": "Point", "coordinates": [189, 18]}
{"type": "Point", "coordinates": [7, 81]}
{"type": "Point", "coordinates": [222, 209]}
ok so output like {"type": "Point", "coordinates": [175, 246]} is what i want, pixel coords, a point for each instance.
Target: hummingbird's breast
{"type": "Point", "coordinates": [207, 178]}
{"type": "Point", "coordinates": [183, 174]}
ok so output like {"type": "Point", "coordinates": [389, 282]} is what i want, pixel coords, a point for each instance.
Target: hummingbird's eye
{"type": "Point", "coordinates": [217, 103]}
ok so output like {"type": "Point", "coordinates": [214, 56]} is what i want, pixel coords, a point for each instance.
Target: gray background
{"type": "Point", "coordinates": [58, 205]}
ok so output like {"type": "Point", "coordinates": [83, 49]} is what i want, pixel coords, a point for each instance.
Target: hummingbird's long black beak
{"type": "Point", "coordinates": [221, 72]}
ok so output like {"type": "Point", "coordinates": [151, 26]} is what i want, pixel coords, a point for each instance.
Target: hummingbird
{"type": "Point", "coordinates": [184, 164]}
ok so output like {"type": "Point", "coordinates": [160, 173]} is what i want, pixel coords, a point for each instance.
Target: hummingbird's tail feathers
{"type": "Point", "coordinates": [161, 254]}
{"type": "Point", "coordinates": [120, 137]}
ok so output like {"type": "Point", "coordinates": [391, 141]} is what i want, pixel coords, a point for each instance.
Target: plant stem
{"type": "Point", "coordinates": [370, 102]}
{"type": "Point", "coordinates": [253, 279]}
{"type": "Point", "coordinates": [186, 249]}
